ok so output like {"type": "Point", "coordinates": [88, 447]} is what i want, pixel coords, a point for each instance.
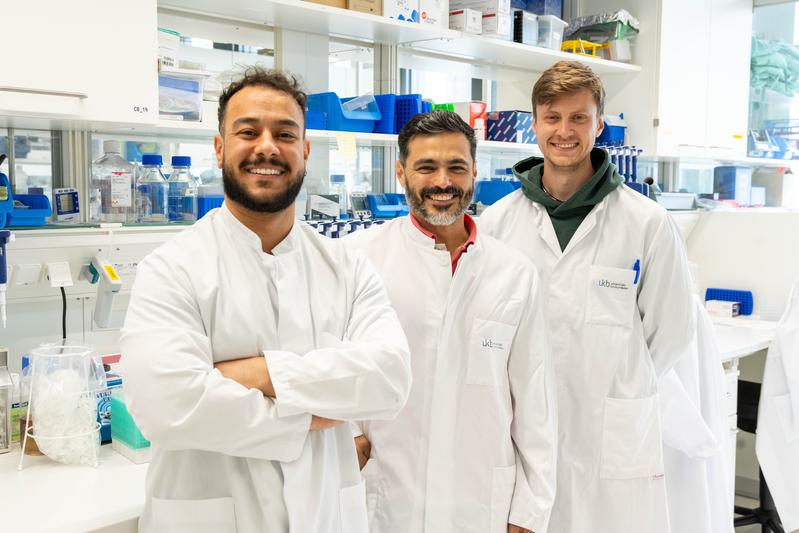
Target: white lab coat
{"type": "Point", "coordinates": [611, 338]}
{"type": "Point", "coordinates": [225, 458]}
{"type": "Point", "coordinates": [777, 443]}
{"type": "Point", "coordinates": [696, 436]}
{"type": "Point", "coordinates": [474, 448]}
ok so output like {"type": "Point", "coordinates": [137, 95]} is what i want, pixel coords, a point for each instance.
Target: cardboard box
{"type": "Point", "coordinates": [168, 45]}
{"type": "Point", "coordinates": [374, 7]}
{"type": "Point", "coordinates": [434, 13]}
{"type": "Point", "coordinates": [407, 10]}
{"type": "Point", "coordinates": [485, 6]}
{"type": "Point", "coordinates": [466, 20]}
{"type": "Point", "coordinates": [497, 25]}
{"type": "Point", "coordinates": [332, 3]}
{"type": "Point", "coordinates": [511, 126]}
{"type": "Point", "coordinates": [474, 113]}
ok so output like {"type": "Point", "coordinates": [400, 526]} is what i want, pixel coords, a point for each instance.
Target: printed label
{"type": "Point", "coordinates": [120, 189]}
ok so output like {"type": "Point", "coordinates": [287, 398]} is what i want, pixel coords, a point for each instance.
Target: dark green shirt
{"type": "Point", "coordinates": [567, 216]}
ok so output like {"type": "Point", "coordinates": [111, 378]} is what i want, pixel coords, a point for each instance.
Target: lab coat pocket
{"type": "Point", "coordinates": [631, 442]}
{"type": "Point", "coordinates": [352, 509]}
{"type": "Point", "coordinates": [489, 346]}
{"type": "Point", "coordinates": [374, 487]}
{"type": "Point", "coordinates": [788, 419]}
{"type": "Point", "coordinates": [611, 296]}
{"type": "Point", "coordinates": [503, 481]}
{"type": "Point", "coordinates": [194, 516]}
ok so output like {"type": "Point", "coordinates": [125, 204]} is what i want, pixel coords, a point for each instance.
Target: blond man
{"type": "Point", "coordinates": [618, 308]}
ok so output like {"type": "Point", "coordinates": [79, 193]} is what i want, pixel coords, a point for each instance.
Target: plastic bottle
{"type": "Point", "coordinates": [182, 188]}
{"type": "Point", "coordinates": [151, 191]}
{"type": "Point", "coordinates": [338, 186]}
{"type": "Point", "coordinates": [112, 182]}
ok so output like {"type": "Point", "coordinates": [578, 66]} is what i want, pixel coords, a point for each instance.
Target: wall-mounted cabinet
{"type": "Point", "coordinates": [65, 67]}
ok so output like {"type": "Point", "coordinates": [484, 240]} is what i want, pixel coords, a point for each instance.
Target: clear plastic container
{"type": "Point", "coordinates": [550, 31]}
{"type": "Point", "coordinates": [151, 191]}
{"type": "Point", "coordinates": [338, 186]}
{"type": "Point", "coordinates": [61, 383]}
{"type": "Point", "coordinates": [111, 197]}
{"type": "Point", "coordinates": [182, 188]}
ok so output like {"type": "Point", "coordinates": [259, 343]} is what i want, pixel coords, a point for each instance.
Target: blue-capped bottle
{"type": "Point", "coordinates": [182, 187]}
{"type": "Point", "coordinates": [151, 191]}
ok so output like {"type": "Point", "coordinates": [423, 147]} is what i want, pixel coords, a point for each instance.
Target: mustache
{"type": "Point", "coordinates": [262, 160]}
{"type": "Point", "coordinates": [452, 189]}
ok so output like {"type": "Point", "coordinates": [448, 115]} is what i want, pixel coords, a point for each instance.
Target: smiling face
{"type": "Point", "coordinates": [438, 177]}
{"type": "Point", "coordinates": [567, 128]}
{"type": "Point", "coordinates": [262, 149]}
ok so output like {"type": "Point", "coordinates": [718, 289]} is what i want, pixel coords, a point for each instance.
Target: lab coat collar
{"type": "Point", "coordinates": [247, 238]}
{"type": "Point", "coordinates": [547, 230]}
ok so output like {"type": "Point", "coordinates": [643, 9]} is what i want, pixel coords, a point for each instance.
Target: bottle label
{"type": "Point", "coordinates": [120, 189]}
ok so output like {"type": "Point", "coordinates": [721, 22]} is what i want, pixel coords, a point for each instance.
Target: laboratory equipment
{"type": "Point", "coordinates": [29, 210]}
{"type": "Point", "coordinates": [338, 187]}
{"type": "Point", "coordinates": [550, 31]}
{"type": "Point", "coordinates": [151, 191]}
{"type": "Point", "coordinates": [5, 237]}
{"type": "Point", "coordinates": [6, 197]}
{"type": "Point", "coordinates": [182, 188]}
{"type": "Point", "coordinates": [733, 182]}
{"type": "Point", "coordinates": [6, 393]}
{"type": "Point", "coordinates": [126, 438]}
{"type": "Point", "coordinates": [67, 208]}
{"type": "Point", "coordinates": [745, 298]}
{"type": "Point", "coordinates": [62, 385]}
{"type": "Point", "coordinates": [103, 273]}
{"type": "Point", "coordinates": [110, 198]}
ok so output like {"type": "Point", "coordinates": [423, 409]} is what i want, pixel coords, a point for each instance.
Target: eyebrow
{"type": "Point", "coordinates": [252, 121]}
{"type": "Point", "coordinates": [455, 161]}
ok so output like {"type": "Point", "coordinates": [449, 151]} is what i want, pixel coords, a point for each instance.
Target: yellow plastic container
{"type": "Point", "coordinates": [581, 47]}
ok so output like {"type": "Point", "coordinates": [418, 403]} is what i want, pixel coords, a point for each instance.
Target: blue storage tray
{"type": "Point", "coordinates": [387, 103]}
{"type": "Point", "coordinates": [389, 205]}
{"type": "Point", "coordinates": [207, 203]}
{"type": "Point", "coordinates": [315, 120]}
{"type": "Point", "coordinates": [488, 192]}
{"type": "Point", "coordinates": [408, 105]}
{"type": "Point", "coordinates": [37, 215]}
{"type": "Point", "coordinates": [5, 205]}
{"type": "Point", "coordinates": [727, 295]}
{"type": "Point", "coordinates": [339, 119]}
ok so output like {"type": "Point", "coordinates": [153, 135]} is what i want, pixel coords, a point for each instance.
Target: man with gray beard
{"type": "Point", "coordinates": [473, 450]}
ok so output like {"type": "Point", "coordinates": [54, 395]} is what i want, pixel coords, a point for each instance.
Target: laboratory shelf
{"type": "Point", "coordinates": [324, 20]}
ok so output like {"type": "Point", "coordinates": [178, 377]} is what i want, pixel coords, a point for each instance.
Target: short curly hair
{"type": "Point", "coordinates": [259, 76]}
{"type": "Point", "coordinates": [568, 77]}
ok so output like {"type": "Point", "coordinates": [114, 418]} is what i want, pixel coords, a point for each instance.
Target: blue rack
{"type": "Point", "coordinates": [389, 205]}
{"type": "Point", "coordinates": [728, 295]}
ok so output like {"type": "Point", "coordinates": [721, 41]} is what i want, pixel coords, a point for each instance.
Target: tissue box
{"type": "Point", "coordinates": [434, 13]}
{"type": "Point", "coordinates": [474, 114]}
{"type": "Point", "coordinates": [466, 20]}
{"type": "Point", "coordinates": [511, 126]}
{"type": "Point", "coordinates": [407, 10]}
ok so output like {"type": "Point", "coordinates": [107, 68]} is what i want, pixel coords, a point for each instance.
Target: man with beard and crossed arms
{"type": "Point", "coordinates": [474, 448]}
{"type": "Point", "coordinates": [249, 338]}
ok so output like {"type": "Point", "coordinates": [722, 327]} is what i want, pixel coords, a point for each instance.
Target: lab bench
{"type": "Point", "coordinates": [46, 496]}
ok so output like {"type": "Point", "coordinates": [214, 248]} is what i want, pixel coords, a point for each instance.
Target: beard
{"type": "Point", "coordinates": [236, 192]}
{"type": "Point", "coordinates": [437, 216]}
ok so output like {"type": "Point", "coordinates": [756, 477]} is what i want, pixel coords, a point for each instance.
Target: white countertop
{"type": "Point", "coordinates": [50, 497]}
{"type": "Point", "coordinates": [740, 336]}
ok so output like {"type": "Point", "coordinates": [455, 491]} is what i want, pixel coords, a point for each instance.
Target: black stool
{"type": "Point", "coordinates": [766, 514]}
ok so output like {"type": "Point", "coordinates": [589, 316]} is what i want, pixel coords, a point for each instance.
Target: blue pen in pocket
{"type": "Point", "coordinates": [637, 268]}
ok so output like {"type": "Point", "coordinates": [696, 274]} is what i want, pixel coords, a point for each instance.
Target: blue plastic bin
{"type": "Point", "coordinates": [314, 120]}
{"type": "Point", "coordinates": [728, 295]}
{"type": "Point", "coordinates": [408, 105]}
{"type": "Point", "coordinates": [389, 205]}
{"type": "Point", "coordinates": [207, 203]}
{"type": "Point", "coordinates": [8, 204]}
{"type": "Point", "coordinates": [427, 107]}
{"type": "Point", "coordinates": [387, 103]}
{"type": "Point", "coordinates": [613, 133]}
{"type": "Point", "coordinates": [545, 7]}
{"type": "Point", "coordinates": [490, 191]}
{"type": "Point", "coordinates": [37, 215]}
{"type": "Point", "coordinates": [338, 118]}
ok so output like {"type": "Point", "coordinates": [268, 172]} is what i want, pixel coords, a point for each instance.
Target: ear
{"type": "Point", "coordinates": [400, 171]}
{"type": "Point", "coordinates": [600, 126]}
{"type": "Point", "coordinates": [218, 148]}
{"type": "Point", "coordinates": [307, 150]}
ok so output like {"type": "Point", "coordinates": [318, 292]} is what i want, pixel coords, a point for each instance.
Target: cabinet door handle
{"type": "Point", "coordinates": [48, 92]}
{"type": "Point", "coordinates": [692, 145]}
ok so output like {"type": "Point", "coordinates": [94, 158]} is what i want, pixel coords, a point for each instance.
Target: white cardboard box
{"type": "Point", "coordinates": [434, 13]}
{"type": "Point", "coordinates": [401, 9]}
{"type": "Point", "coordinates": [168, 45]}
{"type": "Point", "coordinates": [498, 25]}
{"type": "Point", "coordinates": [485, 6]}
{"type": "Point", "coordinates": [466, 20]}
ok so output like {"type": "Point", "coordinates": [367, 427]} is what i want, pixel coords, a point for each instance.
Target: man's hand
{"type": "Point", "coordinates": [516, 529]}
{"type": "Point", "coordinates": [364, 449]}
{"type": "Point", "coordinates": [318, 423]}
{"type": "Point", "coordinates": [251, 372]}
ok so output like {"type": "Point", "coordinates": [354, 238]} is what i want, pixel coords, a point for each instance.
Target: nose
{"type": "Point", "coordinates": [266, 145]}
{"type": "Point", "coordinates": [441, 178]}
{"type": "Point", "coordinates": [564, 128]}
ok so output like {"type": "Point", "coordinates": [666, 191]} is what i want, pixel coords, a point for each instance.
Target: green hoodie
{"type": "Point", "coordinates": [567, 216]}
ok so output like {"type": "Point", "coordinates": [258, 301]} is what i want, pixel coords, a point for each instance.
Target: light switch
{"type": "Point", "coordinates": [59, 274]}
{"type": "Point", "coordinates": [26, 274]}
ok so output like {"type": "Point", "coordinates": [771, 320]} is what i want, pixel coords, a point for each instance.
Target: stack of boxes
{"type": "Point", "coordinates": [511, 126]}
{"type": "Point", "coordinates": [495, 16]}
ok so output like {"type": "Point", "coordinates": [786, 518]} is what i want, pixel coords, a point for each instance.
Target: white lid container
{"type": "Point", "coordinates": [550, 31]}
